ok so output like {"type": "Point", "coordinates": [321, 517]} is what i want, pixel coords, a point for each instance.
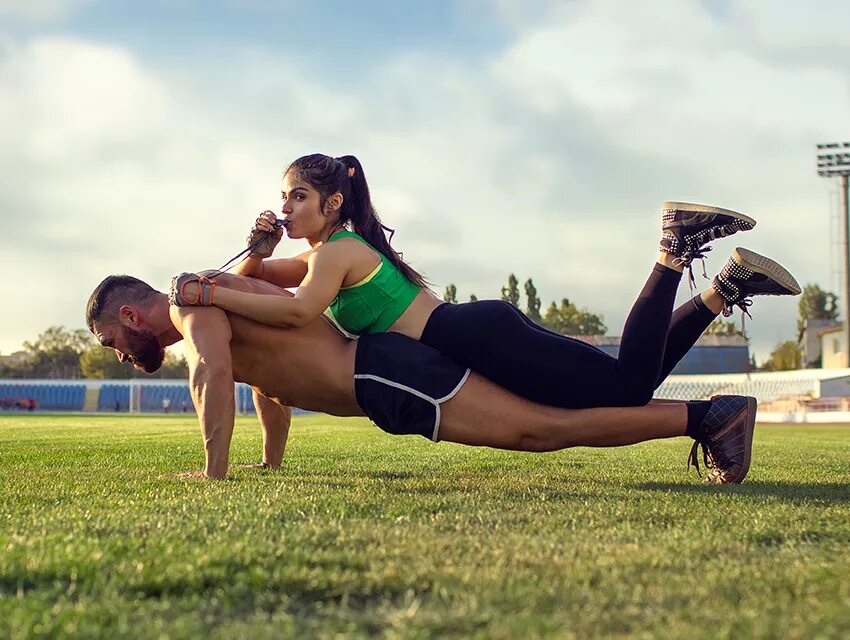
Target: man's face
{"type": "Point", "coordinates": [140, 348]}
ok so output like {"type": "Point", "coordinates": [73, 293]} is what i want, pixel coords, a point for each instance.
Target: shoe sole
{"type": "Point", "coordinates": [704, 208]}
{"type": "Point", "coordinates": [752, 407]}
{"type": "Point", "coordinates": [765, 266]}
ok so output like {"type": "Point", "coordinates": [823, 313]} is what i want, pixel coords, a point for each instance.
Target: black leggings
{"type": "Point", "coordinates": [498, 341]}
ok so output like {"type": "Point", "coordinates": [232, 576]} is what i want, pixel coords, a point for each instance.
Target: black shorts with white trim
{"type": "Point", "coordinates": [400, 383]}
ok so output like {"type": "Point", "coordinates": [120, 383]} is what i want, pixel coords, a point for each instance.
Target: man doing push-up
{"type": "Point", "coordinates": [404, 386]}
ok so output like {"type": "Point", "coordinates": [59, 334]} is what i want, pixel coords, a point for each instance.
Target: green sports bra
{"type": "Point", "coordinates": [374, 303]}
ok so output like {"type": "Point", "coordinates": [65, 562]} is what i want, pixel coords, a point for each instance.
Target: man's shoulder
{"type": "Point", "coordinates": [188, 320]}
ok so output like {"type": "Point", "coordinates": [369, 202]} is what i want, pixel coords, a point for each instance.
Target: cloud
{"type": "Point", "coordinates": [546, 158]}
{"type": "Point", "coordinates": [40, 11]}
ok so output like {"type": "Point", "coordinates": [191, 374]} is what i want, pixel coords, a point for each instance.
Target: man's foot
{"type": "Point", "coordinates": [749, 274]}
{"type": "Point", "coordinates": [726, 439]}
{"type": "Point", "coordinates": [687, 228]}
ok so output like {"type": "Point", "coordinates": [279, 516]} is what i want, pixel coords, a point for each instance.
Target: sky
{"type": "Point", "coordinates": [532, 137]}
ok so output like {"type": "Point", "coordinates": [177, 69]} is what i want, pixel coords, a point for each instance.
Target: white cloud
{"type": "Point", "coordinates": [40, 10]}
{"type": "Point", "coordinates": [548, 160]}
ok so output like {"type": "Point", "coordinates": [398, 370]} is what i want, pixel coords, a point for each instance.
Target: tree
{"type": "Point", "coordinates": [552, 318]}
{"type": "Point", "coordinates": [101, 364]}
{"type": "Point", "coordinates": [568, 319]}
{"type": "Point", "coordinates": [533, 302]}
{"type": "Point", "coordinates": [173, 367]}
{"type": "Point", "coordinates": [473, 297]}
{"type": "Point", "coordinates": [721, 327]}
{"type": "Point", "coordinates": [451, 294]}
{"type": "Point", "coordinates": [816, 304]}
{"type": "Point", "coordinates": [56, 352]}
{"type": "Point", "coordinates": [510, 293]}
{"type": "Point", "coordinates": [785, 356]}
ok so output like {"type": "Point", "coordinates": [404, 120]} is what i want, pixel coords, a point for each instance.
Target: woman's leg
{"type": "Point", "coordinates": [497, 340]}
{"type": "Point", "coordinates": [689, 322]}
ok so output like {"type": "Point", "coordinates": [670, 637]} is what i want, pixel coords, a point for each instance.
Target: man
{"type": "Point", "coordinates": [404, 386]}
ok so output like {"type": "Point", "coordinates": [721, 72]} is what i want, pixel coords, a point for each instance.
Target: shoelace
{"type": "Point", "coordinates": [693, 457]}
{"type": "Point", "coordinates": [698, 252]}
{"type": "Point", "coordinates": [686, 261]}
{"type": "Point", "coordinates": [743, 304]}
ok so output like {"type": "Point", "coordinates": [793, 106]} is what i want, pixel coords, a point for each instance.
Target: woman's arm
{"type": "Point", "coordinates": [283, 272]}
{"type": "Point", "coordinates": [264, 237]}
{"type": "Point", "coordinates": [325, 274]}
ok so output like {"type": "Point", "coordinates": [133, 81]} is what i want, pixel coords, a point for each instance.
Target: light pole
{"type": "Point", "coordinates": [834, 161]}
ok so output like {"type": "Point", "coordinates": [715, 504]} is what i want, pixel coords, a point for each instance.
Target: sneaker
{"type": "Point", "coordinates": [687, 228]}
{"type": "Point", "coordinates": [727, 439]}
{"type": "Point", "coordinates": [750, 274]}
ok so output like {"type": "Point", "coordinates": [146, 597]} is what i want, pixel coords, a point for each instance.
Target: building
{"type": "Point", "coordinates": [833, 348]}
{"type": "Point", "coordinates": [813, 345]}
{"type": "Point", "coordinates": [14, 359]}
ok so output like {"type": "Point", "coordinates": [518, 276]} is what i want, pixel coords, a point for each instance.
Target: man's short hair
{"type": "Point", "coordinates": [113, 292]}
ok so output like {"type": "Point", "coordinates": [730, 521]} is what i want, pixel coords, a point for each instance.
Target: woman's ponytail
{"type": "Point", "coordinates": [345, 174]}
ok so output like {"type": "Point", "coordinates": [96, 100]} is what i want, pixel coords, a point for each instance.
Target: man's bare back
{"type": "Point", "coordinates": [310, 367]}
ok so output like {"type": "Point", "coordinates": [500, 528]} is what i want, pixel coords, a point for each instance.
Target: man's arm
{"type": "Point", "coordinates": [275, 421]}
{"type": "Point", "coordinates": [206, 332]}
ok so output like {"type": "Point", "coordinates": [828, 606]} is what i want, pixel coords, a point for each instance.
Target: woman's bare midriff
{"type": "Point", "coordinates": [412, 322]}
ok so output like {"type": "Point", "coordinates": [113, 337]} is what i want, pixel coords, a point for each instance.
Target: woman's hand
{"type": "Point", "coordinates": [190, 289]}
{"type": "Point", "coordinates": [264, 235]}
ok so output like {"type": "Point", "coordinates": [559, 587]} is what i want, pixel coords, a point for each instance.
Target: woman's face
{"type": "Point", "coordinates": [301, 210]}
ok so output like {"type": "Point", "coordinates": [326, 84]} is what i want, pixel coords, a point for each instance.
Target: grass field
{"type": "Point", "coordinates": [364, 534]}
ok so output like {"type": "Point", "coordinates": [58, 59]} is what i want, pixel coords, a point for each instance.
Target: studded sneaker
{"type": "Point", "coordinates": [727, 439]}
{"type": "Point", "coordinates": [687, 228]}
{"type": "Point", "coordinates": [749, 274]}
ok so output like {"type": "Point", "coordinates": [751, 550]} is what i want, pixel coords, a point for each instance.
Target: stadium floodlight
{"type": "Point", "coordinates": [834, 159]}
{"type": "Point", "coordinates": [834, 162]}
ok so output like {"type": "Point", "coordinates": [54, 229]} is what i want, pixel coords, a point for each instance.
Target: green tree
{"type": "Point", "coordinates": [510, 293]}
{"type": "Point", "coordinates": [785, 356]}
{"type": "Point", "coordinates": [532, 302]}
{"type": "Point", "coordinates": [721, 327]}
{"type": "Point", "coordinates": [173, 367]}
{"type": "Point", "coordinates": [816, 304]}
{"type": "Point", "coordinates": [473, 297]}
{"type": "Point", "coordinates": [552, 318]}
{"type": "Point", "coordinates": [56, 352]}
{"type": "Point", "coordinates": [451, 294]}
{"type": "Point", "coordinates": [101, 364]}
{"type": "Point", "coordinates": [569, 320]}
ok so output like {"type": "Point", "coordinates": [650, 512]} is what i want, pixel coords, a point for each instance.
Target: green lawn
{"type": "Point", "coordinates": [364, 534]}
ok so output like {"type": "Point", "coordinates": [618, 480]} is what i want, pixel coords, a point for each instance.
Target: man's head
{"type": "Point", "coordinates": [119, 315]}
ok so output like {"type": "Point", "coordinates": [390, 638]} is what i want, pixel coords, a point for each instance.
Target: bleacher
{"type": "Point", "coordinates": [114, 397]}
{"type": "Point", "coordinates": [61, 396]}
{"type": "Point", "coordinates": [178, 394]}
{"type": "Point", "coordinates": [764, 386]}
{"type": "Point", "coordinates": [798, 388]}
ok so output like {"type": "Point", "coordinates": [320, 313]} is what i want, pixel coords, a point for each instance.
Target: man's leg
{"type": "Point", "coordinates": [483, 414]}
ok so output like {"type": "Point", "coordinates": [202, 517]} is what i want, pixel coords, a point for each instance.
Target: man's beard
{"type": "Point", "coordinates": [143, 349]}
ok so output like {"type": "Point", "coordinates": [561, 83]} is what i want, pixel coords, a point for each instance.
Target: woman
{"type": "Point", "coordinates": [352, 270]}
